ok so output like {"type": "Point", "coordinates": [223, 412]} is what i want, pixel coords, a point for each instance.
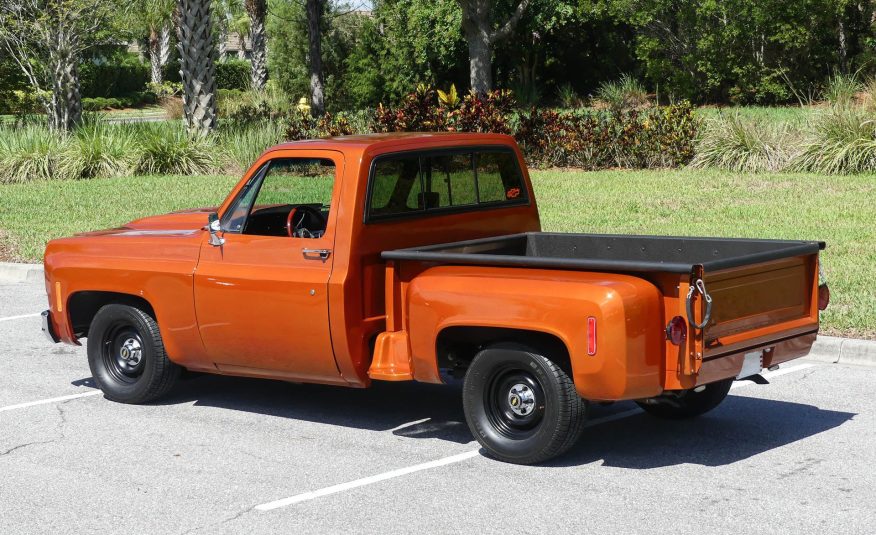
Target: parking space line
{"type": "Point", "coordinates": [366, 481]}
{"type": "Point", "coordinates": [10, 318]}
{"type": "Point", "coordinates": [50, 400]}
{"type": "Point", "coordinates": [777, 373]}
{"type": "Point", "coordinates": [334, 489]}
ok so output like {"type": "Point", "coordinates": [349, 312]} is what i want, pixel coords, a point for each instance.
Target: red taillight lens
{"type": "Point", "coordinates": [823, 296]}
{"type": "Point", "coordinates": [676, 331]}
{"type": "Point", "coordinates": [591, 336]}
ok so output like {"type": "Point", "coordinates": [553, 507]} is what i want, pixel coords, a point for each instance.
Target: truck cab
{"type": "Point", "coordinates": [419, 256]}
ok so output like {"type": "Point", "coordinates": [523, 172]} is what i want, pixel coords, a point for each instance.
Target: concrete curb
{"type": "Point", "coordinates": [843, 350]}
{"type": "Point", "coordinates": [13, 272]}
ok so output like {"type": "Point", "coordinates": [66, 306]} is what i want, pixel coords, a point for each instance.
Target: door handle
{"type": "Point", "coordinates": [322, 254]}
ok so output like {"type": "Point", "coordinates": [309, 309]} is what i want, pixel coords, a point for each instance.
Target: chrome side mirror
{"type": "Point", "coordinates": [215, 227]}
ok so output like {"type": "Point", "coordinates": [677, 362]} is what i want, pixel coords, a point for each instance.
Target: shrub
{"type": "Point", "coordinates": [624, 94]}
{"type": "Point", "coordinates": [113, 79]}
{"type": "Point", "coordinates": [240, 147]}
{"type": "Point", "coordinates": [842, 89]}
{"type": "Point", "coordinates": [172, 106]}
{"type": "Point", "coordinates": [168, 150]}
{"type": "Point", "coordinates": [233, 74]}
{"type": "Point", "coordinates": [841, 141]}
{"type": "Point", "coordinates": [29, 153]}
{"type": "Point", "coordinates": [568, 97]}
{"type": "Point", "coordinates": [656, 137]}
{"type": "Point", "coordinates": [422, 111]}
{"type": "Point", "coordinates": [99, 150]}
{"type": "Point", "coordinates": [735, 144]}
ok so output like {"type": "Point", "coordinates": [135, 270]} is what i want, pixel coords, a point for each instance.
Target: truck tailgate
{"type": "Point", "coordinates": [757, 304]}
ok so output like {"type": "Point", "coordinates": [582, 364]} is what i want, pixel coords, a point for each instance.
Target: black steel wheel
{"type": "Point", "coordinates": [126, 355]}
{"type": "Point", "coordinates": [521, 406]}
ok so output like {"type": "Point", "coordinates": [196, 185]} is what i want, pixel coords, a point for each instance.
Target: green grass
{"type": "Point", "coordinates": [767, 114]}
{"type": "Point", "coordinates": [837, 209]}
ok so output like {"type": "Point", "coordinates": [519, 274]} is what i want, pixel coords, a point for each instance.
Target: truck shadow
{"type": "Point", "coordinates": [741, 427]}
{"type": "Point", "coordinates": [738, 429]}
{"type": "Point", "coordinates": [412, 410]}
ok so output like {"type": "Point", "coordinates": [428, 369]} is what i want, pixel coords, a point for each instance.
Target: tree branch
{"type": "Point", "coordinates": [508, 27]}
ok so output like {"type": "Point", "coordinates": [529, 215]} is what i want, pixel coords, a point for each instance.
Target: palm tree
{"type": "Point", "coordinates": [152, 17]}
{"type": "Point", "coordinates": [197, 56]}
{"type": "Point", "coordinates": [257, 9]}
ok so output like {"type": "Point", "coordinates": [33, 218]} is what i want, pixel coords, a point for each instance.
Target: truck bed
{"type": "Point", "coordinates": [609, 252]}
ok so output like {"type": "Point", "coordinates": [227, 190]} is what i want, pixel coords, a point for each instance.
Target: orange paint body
{"type": "Point", "coordinates": [259, 306]}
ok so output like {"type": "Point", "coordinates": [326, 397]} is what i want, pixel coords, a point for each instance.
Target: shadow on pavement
{"type": "Point", "coordinates": [740, 428]}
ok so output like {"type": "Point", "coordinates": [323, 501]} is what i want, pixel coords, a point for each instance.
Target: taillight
{"type": "Point", "coordinates": [676, 331]}
{"type": "Point", "coordinates": [591, 335]}
{"type": "Point", "coordinates": [823, 296]}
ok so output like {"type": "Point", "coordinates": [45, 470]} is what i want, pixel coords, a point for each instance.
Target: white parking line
{"type": "Point", "coordinates": [777, 373]}
{"type": "Point", "coordinates": [10, 318]}
{"type": "Point", "coordinates": [50, 400]}
{"type": "Point", "coordinates": [334, 489]}
{"type": "Point", "coordinates": [366, 481]}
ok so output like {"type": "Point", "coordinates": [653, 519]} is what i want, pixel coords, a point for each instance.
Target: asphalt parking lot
{"type": "Point", "coordinates": [227, 455]}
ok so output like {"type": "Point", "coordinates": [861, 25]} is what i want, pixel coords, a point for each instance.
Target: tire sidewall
{"type": "Point", "coordinates": [106, 318]}
{"type": "Point", "coordinates": [477, 382]}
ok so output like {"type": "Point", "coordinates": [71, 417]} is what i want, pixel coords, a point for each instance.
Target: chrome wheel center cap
{"type": "Point", "coordinates": [521, 398]}
{"type": "Point", "coordinates": [131, 351]}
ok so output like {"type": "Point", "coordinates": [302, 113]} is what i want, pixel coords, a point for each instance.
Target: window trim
{"type": "Point", "coordinates": [524, 200]}
{"type": "Point", "coordinates": [258, 179]}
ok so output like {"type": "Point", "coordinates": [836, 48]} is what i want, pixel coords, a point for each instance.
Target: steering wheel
{"type": "Point", "coordinates": [297, 216]}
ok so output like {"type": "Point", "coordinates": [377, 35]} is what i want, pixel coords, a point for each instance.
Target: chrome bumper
{"type": "Point", "coordinates": [47, 327]}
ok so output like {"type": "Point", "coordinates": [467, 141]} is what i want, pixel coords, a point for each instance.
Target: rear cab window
{"type": "Point", "coordinates": [444, 180]}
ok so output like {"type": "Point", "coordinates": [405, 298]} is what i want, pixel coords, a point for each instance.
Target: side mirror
{"type": "Point", "coordinates": [215, 227]}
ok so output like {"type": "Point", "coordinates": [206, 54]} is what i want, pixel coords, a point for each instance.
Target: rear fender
{"type": "Point", "coordinates": [628, 362]}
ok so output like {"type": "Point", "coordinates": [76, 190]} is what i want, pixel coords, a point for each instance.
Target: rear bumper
{"type": "Point", "coordinates": [730, 365]}
{"type": "Point", "coordinates": [48, 329]}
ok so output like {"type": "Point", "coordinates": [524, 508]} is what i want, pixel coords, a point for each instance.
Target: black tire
{"type": "Point", "coordinates": [126, 355]}
{"type": "Point", "coordinates": [556, 412]}
{"type": "Point", "coordinates": [689, 404]}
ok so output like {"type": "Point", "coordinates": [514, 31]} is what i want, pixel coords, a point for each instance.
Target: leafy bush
{"type": "Point", "coordinates": [841, 141]}
{"type": "Point", "coordinates": [113, 79]}
{"type": "Point", "coordinates": [233, 74]}
{"type": "Point", "coordinates": [735, 144]}
{"type": "Point", "coordinates": [423, 111]}
{"type": "Point", "coordinates": [624, 94]}
{"type": "Point", "coordinates": [30, 153]}
{"type": "Point", "coordinates": [167, 149]}
{"type": "Point", "coordinates": [20, 102]}
{"type": "Point", "coordinates": [568, 97]}
{"type": "Point", "coordinates": [655, 137]}
{"type": "Point", "coordinates": [99, 150]}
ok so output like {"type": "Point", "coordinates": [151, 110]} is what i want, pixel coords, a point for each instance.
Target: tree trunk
{"type": "Point", "coordinates": [480, 66]}
{"type": "Point", "coordinates": [222, 39]}
{"type": "Point", "coordinates": [155, 56]}
{"type": "Point", "coordinates": [843, 47]}
{"type": "Point", "coordinates": [196, 65]}
{"type": "Point", "coordinates": [66, 104]}
{"type": "Point", "coordinates": [258, 39]}
{"type": "Point", "coordinates": [477, 25]}
{"type": "Point", "coordinates": [164, 46]}
{"type": "Point", "coordinates": [314, 34]}
{"type": "Point", "coordinates": [241, 48]}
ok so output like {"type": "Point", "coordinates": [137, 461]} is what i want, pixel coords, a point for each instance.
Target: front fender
{"type": "Point", "coordinates": [628, 363]}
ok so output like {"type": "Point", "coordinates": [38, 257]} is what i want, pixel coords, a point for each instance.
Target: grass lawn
{"type": "Point", "coordinates": [839, 210]}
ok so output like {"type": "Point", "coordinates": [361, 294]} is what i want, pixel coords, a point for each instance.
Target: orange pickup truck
{"type": "Point", "coordinates": [401, 257]}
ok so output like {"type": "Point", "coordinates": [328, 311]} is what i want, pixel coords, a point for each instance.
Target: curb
{"type": "Point", "coordinates": [843, 350]}
{"type": "Point", "coordinates": [13, 272]}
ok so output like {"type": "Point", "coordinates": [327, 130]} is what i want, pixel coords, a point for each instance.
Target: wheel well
{"type": "Point", "coordinates": [456, 347]}
{"type": "Point", "coordinates": [82, 307]}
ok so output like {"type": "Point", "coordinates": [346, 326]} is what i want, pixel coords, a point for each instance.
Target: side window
{"type": "Point", "coordinates": [288, 197]}
{"type": "Point", "coordinates": [499, 177]}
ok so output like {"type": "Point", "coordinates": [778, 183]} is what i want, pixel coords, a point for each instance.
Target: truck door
{"type": "Point", "coordinates": [262, 296]}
